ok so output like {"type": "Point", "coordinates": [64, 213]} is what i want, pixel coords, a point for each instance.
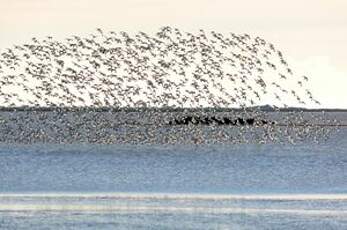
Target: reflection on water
{"type": "Point", "coordinates": [172, 211]}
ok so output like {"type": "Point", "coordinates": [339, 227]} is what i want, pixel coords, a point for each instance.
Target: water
{"type": "Point", "coordinates": [268, 186]}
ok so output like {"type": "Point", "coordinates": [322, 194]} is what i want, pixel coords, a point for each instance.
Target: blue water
{"type": "Point", "coordinates": [265, 186]}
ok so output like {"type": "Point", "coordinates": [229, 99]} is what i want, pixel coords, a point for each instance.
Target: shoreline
{"type": "Point", "coordinates": [158, 127]}
{"type": "Point", "coordinates": [163, 109]}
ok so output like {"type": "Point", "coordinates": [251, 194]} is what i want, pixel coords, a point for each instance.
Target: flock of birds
{"type": "Point", "coordinates": [171, 68]}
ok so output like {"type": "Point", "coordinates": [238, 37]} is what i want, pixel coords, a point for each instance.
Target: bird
{"type": "Point", "coordinates": [169, 68]}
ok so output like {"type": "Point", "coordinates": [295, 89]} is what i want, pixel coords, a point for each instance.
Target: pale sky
{"type": "Point", "coordinates": [312, 34]}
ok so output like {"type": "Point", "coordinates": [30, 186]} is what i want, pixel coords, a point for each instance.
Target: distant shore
{"type": "Point", "coordinates": [27, 125]}
{"type": "Point", "coordinates": [265, 108]}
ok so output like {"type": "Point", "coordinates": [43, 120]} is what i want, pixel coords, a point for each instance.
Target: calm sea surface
{"type": "Point", "coordinates": [265, 186]}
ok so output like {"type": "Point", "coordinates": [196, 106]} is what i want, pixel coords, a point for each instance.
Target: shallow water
{"type": "Point", "coordinates": [244, 186]}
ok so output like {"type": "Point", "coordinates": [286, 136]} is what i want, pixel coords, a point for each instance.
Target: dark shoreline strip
{"type": "Point", "coordinates": [163, 109]}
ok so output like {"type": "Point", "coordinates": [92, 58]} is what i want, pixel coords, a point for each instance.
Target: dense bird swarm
{"type": "Point", "coordinates": [169, 69]}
